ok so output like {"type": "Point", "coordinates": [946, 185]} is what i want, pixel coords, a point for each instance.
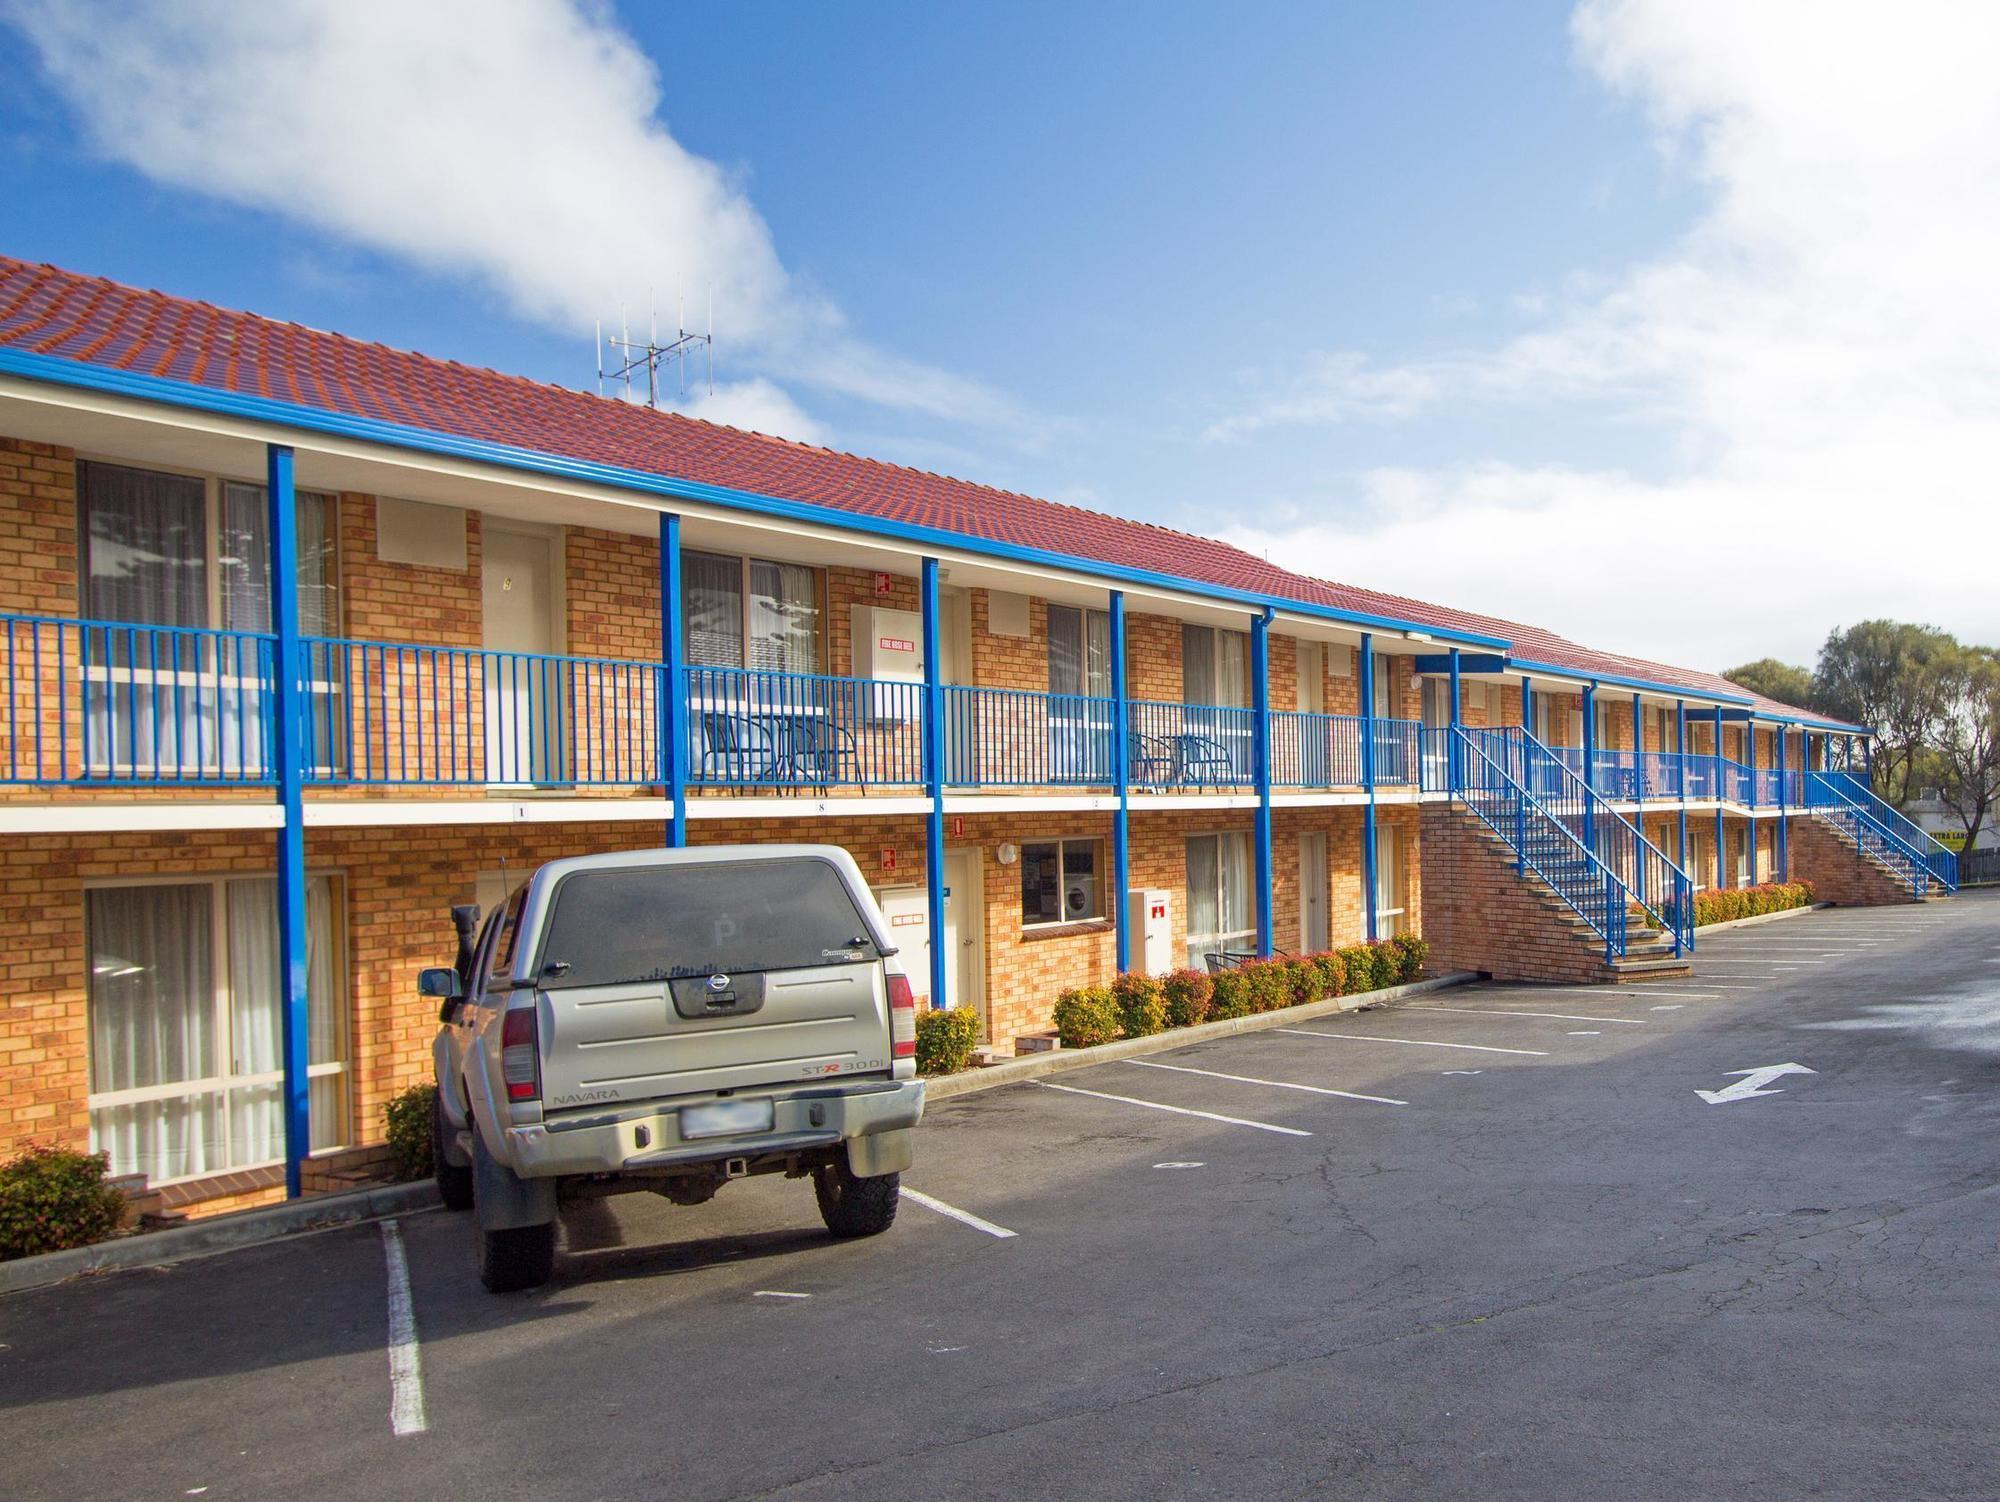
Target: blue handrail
{"type": "Point", "coordinates": [1833, 789]}
{"type": "Point", "coordinates": [1006, 737]}
{"type": "Point", "coordinates": [117, 703]}
{"type": "Point", "coordinates": [756, 728]}
{"type": "Point", "coordinates": [1310, 750]}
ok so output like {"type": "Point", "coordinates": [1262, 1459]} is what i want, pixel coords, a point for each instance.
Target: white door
{"type": "Point", "coordinates": [964, 911]}
{"type": "Point", "coordinates": [907, 910]}
{"type": "Point", "coordinates": [525, 729]}
{"type": "Point", "coordinates": [1313, 931]}
{"type": "Point", "coordinates": [1316, 750]}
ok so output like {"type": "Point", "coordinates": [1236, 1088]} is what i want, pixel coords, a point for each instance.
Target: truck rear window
{"type": "Point", "coordinates": [651, 923]}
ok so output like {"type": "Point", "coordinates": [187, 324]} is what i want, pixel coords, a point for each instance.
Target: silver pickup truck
{"type": "Point", "coordinates": [669, 1020]}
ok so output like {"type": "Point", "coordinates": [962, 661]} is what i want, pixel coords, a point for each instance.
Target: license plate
{"type": "Point", "coordinates": [726, 1118]}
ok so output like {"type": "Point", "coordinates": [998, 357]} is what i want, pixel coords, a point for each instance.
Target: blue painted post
{"type": "Point", "coordinates": [289, 753]}
{"type": "Point", "coordinates": [1457, 771]}
{"type": "Point", "coordinates": [1638, 796]}
{"type": "Point", "coordinates": [1367, 671]}
{"type": "Point", "coordinates": [1681, 758]}
{"type": "Point", "coordinates": [1721, 863]}
{"type": "Point", "coordinates": [1589, 749]}
{"type": "Point", "coordinates": [934, 784]}
{"type": "Point", "coordinates": [1521, 802]}
{"type": "Point", "coordinates": [1783, 853]}
{"type": "Point", "coordinates": [673, 686]}
{"type": "Point", "coordinates": [1121, 773]}
{"type": "Point", "coordinates": [1260, 690]}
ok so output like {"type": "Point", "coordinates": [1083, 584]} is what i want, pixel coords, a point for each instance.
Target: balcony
{"type": "Point", "coordinates": [104, 705]}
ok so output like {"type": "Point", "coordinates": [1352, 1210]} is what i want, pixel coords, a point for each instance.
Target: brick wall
{"type": "Point", "coordinates": [1478, 914]}
{"type": "Point", "coordinates": [1840, 873]}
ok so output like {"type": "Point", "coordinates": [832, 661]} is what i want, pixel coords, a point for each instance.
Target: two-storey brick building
{"type": "Point", "coordinates": [308, 640]}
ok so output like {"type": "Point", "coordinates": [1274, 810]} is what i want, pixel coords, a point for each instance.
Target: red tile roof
{"type": "Point", "coordinates": [50, 311]}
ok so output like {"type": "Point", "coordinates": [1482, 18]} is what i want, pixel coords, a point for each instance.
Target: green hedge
{"type": "Point", "coordinates": [945, 1040]}
{"type": "Point", "coordinates": [54, 1198]}
{"type": "Point", "coordinates": [1137, 1006]}
{"type": "Point", "coordinates": [1751, 902]}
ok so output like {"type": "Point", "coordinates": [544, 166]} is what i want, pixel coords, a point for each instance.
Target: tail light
{"type": "Point", "coordinates": [902, 1018]}
{"type": "Point", "coordinates": [520, 1059]}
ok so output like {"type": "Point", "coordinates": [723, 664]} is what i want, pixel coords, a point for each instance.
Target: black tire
{"type": "Point", "coordinates": [454, 1185]}
{"type": "Point", "coordinates": [522, 1257]}
{"type": "Point", "coordinates": [853, 1206]}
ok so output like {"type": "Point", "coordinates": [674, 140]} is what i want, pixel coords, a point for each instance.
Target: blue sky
{"type": "Point", "coordinates": [1353, 284]}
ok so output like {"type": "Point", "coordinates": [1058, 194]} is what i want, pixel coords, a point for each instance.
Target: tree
{"type": "Point", "coordinates": [1775, 680]}
{"type": "Point", "coordinates": [1887, 675]}
{"type": "Point", "coordinates": [1968, 743]}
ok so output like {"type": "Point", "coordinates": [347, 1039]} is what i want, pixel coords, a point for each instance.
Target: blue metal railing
{"type": "Point", "coordinates": [1541, 841]}
{"type": "Point", "coordinates": [94, 703]}
{"type": "Point", "coordinates": [1399, 753]}
{"type": "Point", "coordinates": [1315, 750]}
{"type": "Point", "coordinates": [1834, 789]}
{"type": "Point", "coordinates": [1853, 824]}
{"type": "Point", "coordinates": [393, 714]}
{"type": "Point", "coordinates": [1006, 737]}
{"type": "Point", "coordinates": [750, 728]}
{"type": "Point", "coordinates": [1648, 878]}
{"type": "Point", "coordinates": [1187, 746]}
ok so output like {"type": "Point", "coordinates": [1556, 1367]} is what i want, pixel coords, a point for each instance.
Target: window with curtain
{"type": "Point", "coordinates": [1221, 910]}
{"type": "Point", "coordinates": [750, 613]}
{"type": "Point", "coordinates": [176, 553]}
{"type": "Point", "coordinates": [1079, 651]}
{"type": "Point", "coordinates": [186, 1026]}
{"type": "Point", "coordinates": [1215, 667]}
{"type": "Point", "coordinates": [1391, 890]}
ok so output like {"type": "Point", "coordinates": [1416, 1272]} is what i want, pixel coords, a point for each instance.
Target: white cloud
{"type": "Point", "coordinates": [519, 141]}
{"type": "Point", "coordinates": [756, 405]}
{"type": "Point", "coordinates": [1822, 346]}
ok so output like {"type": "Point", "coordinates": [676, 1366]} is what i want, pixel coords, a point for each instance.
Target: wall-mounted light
{"type": "Point", "coordinates": [1008, 854]}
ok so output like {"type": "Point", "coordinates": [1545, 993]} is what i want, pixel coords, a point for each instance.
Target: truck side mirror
{"type": "Point", "coordinates": [441, 983]}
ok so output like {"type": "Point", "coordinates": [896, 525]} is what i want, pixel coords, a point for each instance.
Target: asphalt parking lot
{"type": "Point", "coordinates": [1492, 1243]}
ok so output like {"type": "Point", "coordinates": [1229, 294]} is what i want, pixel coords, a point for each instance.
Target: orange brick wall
{"type": "Point", "coordinates": [38, 541]}
{"type": "Point", "coordinates": [401, 602]}
{"type": "Point", "coordinates": [1839, 873]}
{"type": "Point", "coordinates": [1480, 915]}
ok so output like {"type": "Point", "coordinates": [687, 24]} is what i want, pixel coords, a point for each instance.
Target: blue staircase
{"type": "Point", "coordinates": [1847, 805]}
{"type": "Point", "coordinates": [1621, 885]}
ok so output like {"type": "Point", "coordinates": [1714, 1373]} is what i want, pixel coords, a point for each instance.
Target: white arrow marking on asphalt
{"type": "Point", "coordinates": [1752, 1082]}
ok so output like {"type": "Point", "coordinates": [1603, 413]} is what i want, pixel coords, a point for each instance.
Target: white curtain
{"type": "Point", "coordinates": [145, 540]}
{"type": "Point", "coordinates": [712, 610]}
{"type": "Point", "coordinates": [152, 1022]}
{"type": "Point", "coordinates": [784, 618]}
{"type": "Point", "coordinates": [1218, 894]}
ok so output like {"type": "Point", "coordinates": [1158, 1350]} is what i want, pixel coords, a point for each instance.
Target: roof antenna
{"type": "Point", "coordinates": [619, 359]}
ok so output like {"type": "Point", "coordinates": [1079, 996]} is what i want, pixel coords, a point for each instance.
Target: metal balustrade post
{"type": "Point", "coordinates": [1720, 865]}
{"type": "Point", "coordinates": [1590, 765]}
{"type": "Point", "coordinates": [1454, 764]}
{"type": "Point", "coordinates": [1260, 751]}
{"type": "Point", "coordinates": [934, 786]}
{"type": "Point", "coordinates": [1121, 777]}
{"type": "Point", "coordinates": [1366, 669]}
{"type": "Point", "coordinates": [673, 684]}
{"type": "Point", "coordinates": [288, 696]}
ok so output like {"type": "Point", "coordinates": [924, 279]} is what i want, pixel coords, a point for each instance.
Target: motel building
{"type": "Point", "coordinates": [308, 640]}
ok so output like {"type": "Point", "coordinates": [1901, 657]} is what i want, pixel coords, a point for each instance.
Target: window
{"type": "Point", "coordinates": [1386, 704]}
{"type": "Point", "coordinates": [1222, 915]}
{"type": "Point", "coordinates": [186, 1025]}
{"type": "Point", "coordinates": [1437, 701]}
{"type": "Point", "coordinates": [1079, 652]}
{"type": "Point", "coordinates": [500, 963]}
{"type": "Point", "coordinates": [1391, 888]}
{"type": "Point", "coordinates": [1215, 667]}
{"type": "Point", "coordinates": [1060, 883]}
{"type": "Point", "coordinates": [750, 613]}
{"type": "Point", "coordinates": [182, 554]}
{"type": "Point", "coordinates": [1744, 851]}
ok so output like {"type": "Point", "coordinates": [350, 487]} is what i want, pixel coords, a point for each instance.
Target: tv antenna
{"type": "Point", "coordinates": [620, 357]}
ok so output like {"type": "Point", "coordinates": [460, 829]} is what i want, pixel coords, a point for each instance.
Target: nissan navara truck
{"type": "Point", "coordinates": [669, 1020]}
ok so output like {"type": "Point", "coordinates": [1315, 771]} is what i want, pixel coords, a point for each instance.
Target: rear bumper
{"type": "Point", "coordinates": [649, 1136]}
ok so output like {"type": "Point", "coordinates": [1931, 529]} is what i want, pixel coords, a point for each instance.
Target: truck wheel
{"type": "Point", "coordinates": [521, 1257]}
{"type": "Point", "coordinates": [454, 1184]}
{"type": "Point", "coordinates": [853, 1206]}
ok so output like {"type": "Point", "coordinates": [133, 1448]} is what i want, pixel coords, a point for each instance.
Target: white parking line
{"type": "Point", "coordinates": [963, 1217]}
{"type": "Point", "coordinates": [1244, 1079]}
{"type": "Point", "coordinates": [406, 1370]}
{"type": "Point", "coordinates": [1153, 1105]}
{"type": "Point", "coordinates": [1306, 1032]}
{"type": "Point", "coordinates": [1707, 993]}
{"type": "Point", "coordinates": [1504, 1012]}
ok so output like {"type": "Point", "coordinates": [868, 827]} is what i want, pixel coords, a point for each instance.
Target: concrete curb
{"type": "Point", "coordinates": [1790, 912]}
{"type": "Point", "coordinates": [225, 1233]}
{"type": "Point", "coordinates": [945, 1086]}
